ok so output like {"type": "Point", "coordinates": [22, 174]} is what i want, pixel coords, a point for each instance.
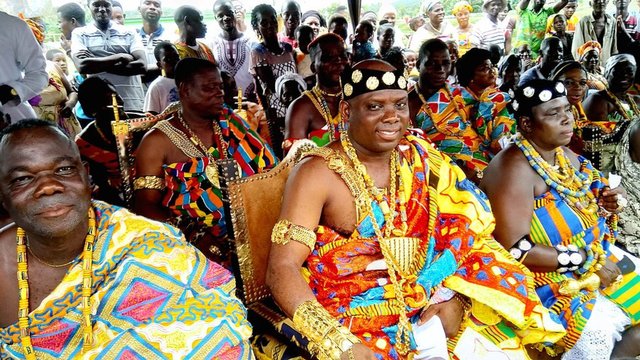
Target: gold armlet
{"type": "Point", "coordinates": [285, 231]}
{"type": "Point", "coordinates": [149, 182]}
{"type": "Point", "coordinates": [328, 338]}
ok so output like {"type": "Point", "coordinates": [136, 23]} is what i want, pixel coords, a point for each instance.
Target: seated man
{"type": "Point", "coordinates": [560, 221]}
{"type": "Point", "coordinates": [94, 289]}
{"type": "Point", "coordinates": [392, 233]}
{"type": "Point", "coordinates": [316, 115]}
{"type": "Point", "coordinates": [96, 142]}
{"type": "Point", "coordinates": [177, 175]}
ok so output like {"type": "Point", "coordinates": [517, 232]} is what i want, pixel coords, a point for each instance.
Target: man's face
{"type": "Point", "coordinates": [553, 54]}
{"type": "Point", "coordinates": [100, 11]}
{"type": "Point", "coordinates": [494, 8]}
{"type": "Point", "coordinates": [291, 17]}
{"type": "Point", "coordinates": [117, 15]}
{"type": "Point", "coordinates": [290, 92]}
{"type": "Point", "coordinates": [43, 184]}
{"type": "Point", "coordinates": [434, 69]}
{"type": "Point", "coordinates": [195, 26]}
{"type": "Point", "coordinates": [339, 29]}
{"type": "Point", "coordinates": [204, 94]}
{"type": "Point", "coordinates": [622, 6]}
{"type": "Point", "coordinates": [551, 123]}
{"type": "Point", "coordinates": [150, 10]}
{"type": "Point", "coordinates": [66, 26]}
{"type": "Point", "coordinates": [570, 9]}
{"type": "Point", "coordinates": [330, 63]}
{"type": "Point", "coordinates": [377, 120]}
{"type": "Point", "coordinates": [539, 3]}
{"type": "Point", "coordinates": [390, 17]}
{"type": "Point", "coordinates": [268, 24]}
{"type": "Point", "coordinates": [386, 38]}
{"type": "Point", "coordinates": [225, 17]}
{"type": "Point", "coordinates": [622, 76]}
{"type": "Point", "coordinates": [599, 6]}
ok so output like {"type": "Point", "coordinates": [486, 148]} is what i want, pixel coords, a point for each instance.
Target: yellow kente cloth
{"type": "Point", "coordinates": [153, 297]}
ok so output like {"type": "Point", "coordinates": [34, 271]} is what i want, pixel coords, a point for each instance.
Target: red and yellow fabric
{"type": "Point", "coordinates": [203, 51]}
{"type": "Point", "coordinates": [465, 127]}
{"type": "Point", "coordinates": [456, 251]}
{"type": "Point", "coordinates": [165, 303]}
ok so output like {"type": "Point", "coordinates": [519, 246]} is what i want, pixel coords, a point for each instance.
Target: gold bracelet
{"type": "Point", "coordinates": [465, 303]}
{"type": "Point", "coordinates": [285, 231]}
{"type": "Point", "coordinates": [149, 182]}
{"type": "Point", "coordinates": [327, 337]}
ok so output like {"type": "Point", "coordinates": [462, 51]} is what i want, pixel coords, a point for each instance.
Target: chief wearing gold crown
{"type": "Point", "coordinates": [388, 232]}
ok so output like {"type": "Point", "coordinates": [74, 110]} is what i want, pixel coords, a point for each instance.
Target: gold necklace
{"type": "Point", "coordinates": [320, 103]}
{"type": "Point", "coordinates": [631, 103]}
{"type": "Point", "coordinates": [55, 266]}
{"type": "Point", "coordinates": [23, 289]}
{"type": "Point", "coordinates": [211, 170]}
{"type": "Point", "coordinates": [326, 93]}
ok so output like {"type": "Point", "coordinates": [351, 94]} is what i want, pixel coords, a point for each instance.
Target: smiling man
{"type": "Point", "coordinates": [379, 220]}
{"type": "Point", "coordinates": [94, 290]}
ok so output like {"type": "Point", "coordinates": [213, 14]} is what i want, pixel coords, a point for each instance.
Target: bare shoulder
{"type": "Point", "coordinates": [508, 168]}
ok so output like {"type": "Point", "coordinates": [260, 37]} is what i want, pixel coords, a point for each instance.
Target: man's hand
{"type": "Point", "coordinates": [67, 110]}
{"type": "Point", "coordinates": [609, 199]}
{"type": "Point", "coordinates": [608, 274]}
{"type": "Point", "coordinates": [65, 44]}
{"type": "Point", "coordinates": [125, 58]}
{"type": "Point", "coordinates": [360, 352]}
{"type": "Point", "coordinates": [450, 313]}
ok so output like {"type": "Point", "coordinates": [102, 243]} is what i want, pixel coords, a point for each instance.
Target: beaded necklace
{"type": "Point", "coordinates": [427, 109]}
{"type": "Point", "coordinates": [573, 186]}
{"type": "Point", "coordinates": [320, 103]}
{"type": "Point", "coordinates": [23, 289]}
{"type": "Point", "coordinates": [403, 335]}
{"type": "Point", "coordinates": [621, 108]}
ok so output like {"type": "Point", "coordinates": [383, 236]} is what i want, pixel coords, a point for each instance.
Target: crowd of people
{"type": "Point", "coordinates": [473, 188]}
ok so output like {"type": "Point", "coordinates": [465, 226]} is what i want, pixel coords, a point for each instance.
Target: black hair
{"type": "Point", "coordinates": [115, 3]}
{"type": "Point", "coordinates": [88, 93]}
{"type": "Point", "coordinates": [218, 3]}
{"type": "Point", "coordinates": [395, 57]}
{"type": "Point", "coordinates": [259, 9]}
{"type": "Point", "coordinates": [544, 45]}
{"type": "Point", "coordinates": [337, 18]}
{"type": "Point", "coordinates": [367, 25]}
{"type": "Point", "coordinates": [188, 68]}
{"type": "Point", "coordinates": [507, 63]}
{"type": "Point", "coordinates": [302, 28]}
{"type": "Point", "coordinates": [28, 124]}
{"type": "Point", "coordinates": [430, 46]}
{"type": "Point", "coordinates": [53, 52]}
{"type": "Point", "coordinates": [565, 66]}
{"type": "Point", "coordinates": [185, 10]}
{"type": "Point", "coordinates": [327, 38]}
{"type": "Point", "coordinates": [285, 5]}
{"type": "Point", "coordinates": [467, 64]}
{"type": "Point", "coordinates": [314, 13]}
{"type": "Point", "coordinates": [163, 45]}
{"type": "Point", "coordinates": [72, 10]}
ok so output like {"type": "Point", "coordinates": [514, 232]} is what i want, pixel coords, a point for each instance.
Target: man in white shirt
{"type": "Point", "coordinates": [112, 52]}
{"type": "Point", "coordinates": [487, 31]}
{"type": "Point", "coordinates": [162, 90]}
{"type": "Point", "coordinates": [22, 69]}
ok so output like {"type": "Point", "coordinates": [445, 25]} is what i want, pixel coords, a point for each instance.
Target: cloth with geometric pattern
{"type": "Point", "coordinates": [466, 127]}
{"type": "Point", "coordinates": [154, 296]}
{"type": "Point", "coordinates": [452, 221]}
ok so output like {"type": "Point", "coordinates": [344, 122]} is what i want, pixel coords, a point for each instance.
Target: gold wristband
{"type": "Point", "coordinates": [328, 338]}
{"type": "Point", "coordinates": [149, 182]}
{"type": "Point", "coordinates": [285, 231]}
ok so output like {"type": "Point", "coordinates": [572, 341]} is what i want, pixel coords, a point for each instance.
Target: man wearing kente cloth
{"type": "Point", "coordinates": [316, 114]}
{"type": "Point", "coordinates": [177, 175]}
{"type": "Point", "coordinates": [190, 26]}
{"type": "Point", "coordinates": [557, 215]}
{"type": "Point", "coordinates": [82, 279]}
{"type": "Point", "coordinates": [391, 235]}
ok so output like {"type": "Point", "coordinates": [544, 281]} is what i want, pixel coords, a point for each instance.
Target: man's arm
{"type": "Point", "coordinates": [135, 67]}
{"type": "Point", "coordinates": [560, 5]}
{"type": "Point", "coordinates": [150, 158]}
{"type": "Point", "coordinates": [297, 119]}
{"type": "Point", "coordinates": [523, 4]}
{"type": "Point", "coordinates": [28, 55]}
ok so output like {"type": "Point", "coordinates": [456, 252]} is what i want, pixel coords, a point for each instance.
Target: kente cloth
{"type": "Point", "coordinates": [629, 222]}
{"type": "Point", "coordinates": [52, 100]}
{"type": "Point", "coordinates": [452, 220]}
{"type": "Point", "coordinates": [555, 222]}
{"type": "Point", "coordinates": [191, 194]}
{"type": "Point", "coordinates": [104, 167]}
{"type": "Point", "coordinates": [153, 297]}
{"type": "Point", "coordinates": [201, 52]}
{"type": "Point", "coordinates": [464, 127]}
{"type": "Point", "coordinates": [601, 138]}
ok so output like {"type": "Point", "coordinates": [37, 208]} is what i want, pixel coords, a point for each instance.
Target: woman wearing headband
{"type": "Point", "coordinates": [436, 27]}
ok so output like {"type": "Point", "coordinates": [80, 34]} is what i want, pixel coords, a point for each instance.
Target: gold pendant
{"type": "Point", "coordinates": [211, 171]}
{"type": "Point", "coordinates": [403, 250]}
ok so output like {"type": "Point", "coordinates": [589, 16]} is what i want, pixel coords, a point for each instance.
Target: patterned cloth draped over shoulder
{"type": "Point", "coordinates": [467, 128]}
{"type": "Point", "coordinates": [452, 220]}
{"type": "Point", "coordinates": [153, 297]}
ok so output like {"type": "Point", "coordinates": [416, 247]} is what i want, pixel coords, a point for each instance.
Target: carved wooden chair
{"type": "Point", "coordinates": [252, 206]}
{"type": "Point", "coordinates": [124, 131]}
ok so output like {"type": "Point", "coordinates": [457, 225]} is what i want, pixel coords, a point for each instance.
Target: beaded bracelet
{"type": "Point", "coordinates": [588, 263]}
{"type": "Point", "coordinates": [569, 258]}
{"type": "Point", "coordinates": [521, 248]}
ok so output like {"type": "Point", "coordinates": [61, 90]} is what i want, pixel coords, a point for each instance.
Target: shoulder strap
{"type": "Point", "coordinates": [179, 139]}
